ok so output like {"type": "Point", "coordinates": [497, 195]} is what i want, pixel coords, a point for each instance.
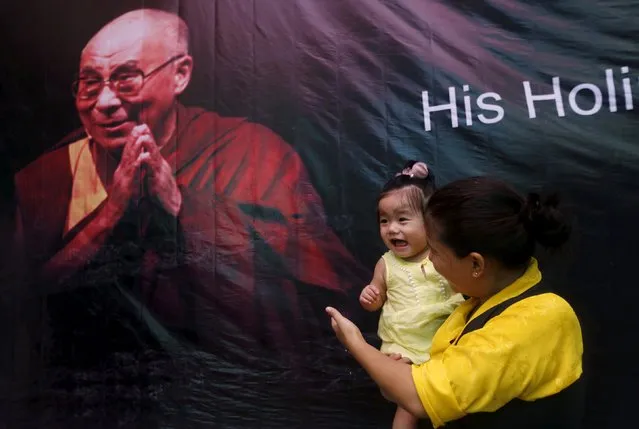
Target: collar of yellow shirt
{"type": "Point", "coordinates": [530, 278]}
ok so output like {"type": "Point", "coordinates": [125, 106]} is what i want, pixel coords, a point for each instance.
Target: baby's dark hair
{"type": "Point", "coordinates": [418, 182]}
{"type": "Point", "coordinates": [489, 217]}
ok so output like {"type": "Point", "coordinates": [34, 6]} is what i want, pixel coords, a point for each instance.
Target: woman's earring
{"type": "Point", "coordinates": [475, 274]}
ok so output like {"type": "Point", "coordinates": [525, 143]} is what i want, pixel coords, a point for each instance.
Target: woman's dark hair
{"type": "Point", "coordinates": [489, 217]}
{"type": "Point", "coordinates": [418, 181]}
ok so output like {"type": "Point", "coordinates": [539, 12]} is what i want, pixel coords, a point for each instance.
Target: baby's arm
{"type": "Point", "coordinates": [373, 296]}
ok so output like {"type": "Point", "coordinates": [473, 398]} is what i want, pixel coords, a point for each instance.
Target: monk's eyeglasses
{"type": "Point", "coordinates": [126, 83]}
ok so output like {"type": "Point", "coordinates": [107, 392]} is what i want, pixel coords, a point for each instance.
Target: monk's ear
{"type": "Point", "coordinates": [183, 71]}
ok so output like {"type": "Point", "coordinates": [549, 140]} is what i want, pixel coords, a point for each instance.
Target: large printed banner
{"type": "Point", "coordinates": [192, 294]}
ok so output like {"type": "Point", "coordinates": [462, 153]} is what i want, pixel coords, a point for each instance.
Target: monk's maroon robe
{"type": "Point", "coordinates": [249, 261]}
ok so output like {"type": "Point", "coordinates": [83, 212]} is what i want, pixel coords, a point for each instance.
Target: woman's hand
{"type": "Point", "coordinates": [347, 332]}
{"type": "Point", "coordinates": [399, 358]}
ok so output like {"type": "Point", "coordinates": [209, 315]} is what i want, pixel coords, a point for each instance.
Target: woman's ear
{"type": "Point", "coordinates": [478, 264]}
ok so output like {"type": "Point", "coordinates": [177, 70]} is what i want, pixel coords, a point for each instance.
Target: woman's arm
{"type": "Point", "coordinates": [393, 377]}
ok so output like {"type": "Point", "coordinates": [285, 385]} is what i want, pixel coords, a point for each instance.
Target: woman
{"type": "Point", "coordinates": [511, 355]}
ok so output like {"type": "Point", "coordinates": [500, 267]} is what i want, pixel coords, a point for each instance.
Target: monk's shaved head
{"type": "Point", "coordinates": [148, 25]}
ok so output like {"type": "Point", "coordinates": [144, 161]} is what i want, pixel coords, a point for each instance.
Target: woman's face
{"type": "Point", "coordinates": [460, 272]}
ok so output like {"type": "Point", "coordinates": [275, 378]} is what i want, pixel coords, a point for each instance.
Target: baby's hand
{"type": "Point", "coordinates": [370, 296]}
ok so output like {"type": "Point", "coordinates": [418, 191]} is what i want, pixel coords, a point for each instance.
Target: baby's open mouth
{"type": "Point", "coordinates": [399, 243]}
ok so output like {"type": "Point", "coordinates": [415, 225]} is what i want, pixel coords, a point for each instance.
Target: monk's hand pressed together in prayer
{"type": "Point", "coordinates": [161, 181]}
{"type": "Point", "coordinates": [141, 157]}
{"type": "Point", "coordinates": [126, 178]}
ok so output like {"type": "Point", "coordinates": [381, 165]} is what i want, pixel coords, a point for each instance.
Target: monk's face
{"type": "Point", "coordinates": [121, 54]}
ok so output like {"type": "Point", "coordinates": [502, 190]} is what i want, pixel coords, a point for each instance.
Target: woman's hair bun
{"type": "Point", "coordinates": [544, 221]}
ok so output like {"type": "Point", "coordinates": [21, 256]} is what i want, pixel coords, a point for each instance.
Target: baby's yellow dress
{"type": "Point", "coordinates": [418, 300]}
